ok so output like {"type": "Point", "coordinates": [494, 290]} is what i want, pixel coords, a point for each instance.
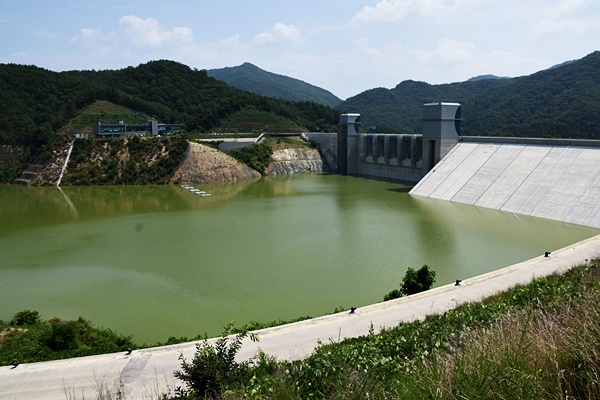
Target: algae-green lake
{"type": "Point", "coordinates": [159, 261]}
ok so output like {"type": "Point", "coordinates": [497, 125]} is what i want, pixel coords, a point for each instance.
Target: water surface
{"type": "Point", "coordinates": [158, 261]}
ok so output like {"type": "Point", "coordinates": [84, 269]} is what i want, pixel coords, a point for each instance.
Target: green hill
{"type": "Point", "coordinates": [36, 105]}
{"type": "Point", "coordinates": [250, 78]}
{"type": "Point", "coordinates": [559, 102]}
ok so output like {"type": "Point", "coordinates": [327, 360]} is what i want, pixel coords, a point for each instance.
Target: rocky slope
{"type": "Point", "coordinates": [200, 165]}
{"type": "Point", "coordinates": [203, 164]}
{"type": "Point", "coordinates": [295, 160]}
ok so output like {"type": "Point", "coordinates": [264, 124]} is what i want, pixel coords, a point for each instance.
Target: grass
{"type": "Point", "coordinates": [252, 120]}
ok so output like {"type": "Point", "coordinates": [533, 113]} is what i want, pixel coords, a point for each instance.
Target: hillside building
{"type": "Point", "coordinates": [150, 128]}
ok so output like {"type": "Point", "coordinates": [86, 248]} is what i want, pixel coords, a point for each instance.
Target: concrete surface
{"type": "Point", "coordinates": [559, 181]}
{"type": "Point", "coordinates": [146, 373]}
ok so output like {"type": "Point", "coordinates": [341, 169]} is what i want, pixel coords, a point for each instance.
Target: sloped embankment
{"type": "Point", "coordinates": [203, 164]}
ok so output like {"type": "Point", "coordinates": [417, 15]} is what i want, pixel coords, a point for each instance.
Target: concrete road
{"type": "Point", "coordinates": [146, 373]}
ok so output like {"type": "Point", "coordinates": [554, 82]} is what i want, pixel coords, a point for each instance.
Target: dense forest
{"type": "Point", "coordinates": [562, 102]}
{"type": "Point", "coordinates": [36, 103]}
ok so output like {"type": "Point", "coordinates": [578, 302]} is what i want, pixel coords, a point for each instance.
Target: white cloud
{"type": "Point", "coordinates": [570, 19]}
{"type": "Point", "coordinates": [455, 51]}
{"type": "Point", "coordinates": [147, 32]}
{"type": "Point", "coordinates": [134, 32]}
{"type": "Point", "coordinates": [397, 10]}
{"type": "Point", "coordinates": [231, 41]}
{"type": "Point", "coordinates": [280, 33]}
{"type": "Point", "coordinates": [86, 36]}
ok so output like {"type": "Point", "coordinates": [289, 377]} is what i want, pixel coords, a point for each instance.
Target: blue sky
{"type": "Point", "coordinates": [344, 46]}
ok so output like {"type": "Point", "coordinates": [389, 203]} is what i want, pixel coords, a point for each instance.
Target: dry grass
{"type": "Point", "coordinates": [530, 354]}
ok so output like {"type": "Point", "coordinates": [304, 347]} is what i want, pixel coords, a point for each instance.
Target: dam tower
{"type": "Point", "coordinates": [441, 131]}
{"type": "Point", "coordinates": [347, 144]}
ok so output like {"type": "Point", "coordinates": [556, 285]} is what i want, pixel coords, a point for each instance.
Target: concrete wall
{"type": "Point", "coordinates": [390, 156]}
{"type": "Point", "coordinates": [327, 145]}
{"type": "Point", "coordinates": [548, 178]}
{"type": "Point", "coordinates": [392, 160]}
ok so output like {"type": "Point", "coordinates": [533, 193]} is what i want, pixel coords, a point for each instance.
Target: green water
{"type": "Point", "coordinates": [158, 261]}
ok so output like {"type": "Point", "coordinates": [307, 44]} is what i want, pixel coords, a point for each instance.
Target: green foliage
{"type": "Point", "coordinates": [395, 361]}
{"type": "Point", "coordinates": [213, 369]}
{"type": "Point", "coordinates": [35, 341]}
{"type": "Point", "coordinates": [13, 160]}
{"type": "Point", "coordinates": [394, 294]}
{"type": "Point", "coordinates": [251, 119]}
{"type": "Point", "coordinates": [417, 281]}
{"type": "Point", "coordinates": [257, 156]}
{"type": "Point", "coordinates": [26, 317]}
{"type": "Point", "coordinates": [107, 112]}
{"type": "Point", "coordinates": [413, 282]}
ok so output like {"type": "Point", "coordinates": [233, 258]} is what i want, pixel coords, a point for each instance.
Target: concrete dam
{"type": "Point", "coordinates": [557, 179]}
{"type": "Point", "coordinates": [551, 179]}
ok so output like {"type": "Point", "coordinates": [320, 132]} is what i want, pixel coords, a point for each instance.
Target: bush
{"type": "Point", "coordinates": [413, 282]}
{"type": "Point", "coordinates": [213, 368]}
{"type": "Point", "coordinates": [56, 339]}
{"type": "Point", "coordinates": [417, 281]}
{"type": "Point", "coordinates": [26, 317]}
{"type": "Point", "coordinates": [394, 294]}
{"type": "Point", "coordinates": [257, 156]}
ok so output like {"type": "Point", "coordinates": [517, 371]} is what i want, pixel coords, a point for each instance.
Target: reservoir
{"type": "Point", "coordinates": [158, 261]}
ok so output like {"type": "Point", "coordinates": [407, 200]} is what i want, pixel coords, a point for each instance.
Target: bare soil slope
{"type": "Point", "coordinates": [203, 164]}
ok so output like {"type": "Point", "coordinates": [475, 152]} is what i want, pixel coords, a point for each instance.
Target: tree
{"type": "Point", "coordinates": [417, 281]}
{"type": "Point", "coordinates": [26, 317]}
{"type": "Point", "coordinates": [413, 282]}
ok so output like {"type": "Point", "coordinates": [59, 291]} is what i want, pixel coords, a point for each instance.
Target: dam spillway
{"type": "Point", "coordinates": [548, 178]}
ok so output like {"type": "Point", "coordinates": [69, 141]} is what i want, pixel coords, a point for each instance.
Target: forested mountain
{"type": "Point", "coordinates": [35, 103]}
{"type": "Point", "coordinates": [253, 79]}
{"type": "Point", "coordinates": [563, 101]}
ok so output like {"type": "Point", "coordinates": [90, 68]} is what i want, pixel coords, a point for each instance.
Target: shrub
{"type": "Point", "coordinates": [417, 281]}
{"type": "Point", "coordinates": [413, 282]}
{"type": "Point", "coordinates": [394, 294]}
{"type": "Point", "coordinates": [26, 317]}
{"type": "Point", "coordinates": [213, 368]}
{"type": "Point", "coordinates": [257, 156]}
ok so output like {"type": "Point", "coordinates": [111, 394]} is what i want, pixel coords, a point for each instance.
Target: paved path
{"type": "Point", "coordinates": [146, 373]}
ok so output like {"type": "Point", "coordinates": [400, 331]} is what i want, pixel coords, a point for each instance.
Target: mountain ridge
{"type": "Point", "coordinates": [253, 79]}
{"type": "Point", "coordinates": [558, 102]}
